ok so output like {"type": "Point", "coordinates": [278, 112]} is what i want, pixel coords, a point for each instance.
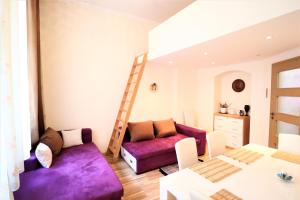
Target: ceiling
{"type": "Point", "coordinates": [153, 10]}
{"type": "Point", "coordinates": [241, 46]}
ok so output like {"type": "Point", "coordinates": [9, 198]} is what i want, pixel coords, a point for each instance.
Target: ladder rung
{"type": "Point", "coordinates": [126, 101]}
{"type": "Point", "coordinates": [120, 120]}
{"type": "Point", "coordinates": [117, 130]}
{"type": "Point", "coordinates": [129, 91]}
{"type": "Point", "coordinates": [138, 64]}
{"type": "Point", "coordinates": [131, 83]}
{"type": "Point", "coordinates": [125, 98]}
{"type": "Point", "coordinates": [111, 148]}
{"type": "Point", "coordinates": [113, 137]}
{"type": "Point", "coordinates": [123, 110]}
{"type": "Point", "coordinates": [134, 73]}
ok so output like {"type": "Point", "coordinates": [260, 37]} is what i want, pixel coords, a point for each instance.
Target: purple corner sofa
{"type": "Point", "coordinates": [78, 173]}
{"type": "Point", "coordinates": [147, 155]}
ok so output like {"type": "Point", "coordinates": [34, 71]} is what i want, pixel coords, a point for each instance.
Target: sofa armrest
{"type": "Point", "coordinates": [191, 132]}
{"type": "Point", "coordinates": [86, 135]}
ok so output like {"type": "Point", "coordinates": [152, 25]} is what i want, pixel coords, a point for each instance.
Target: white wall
{"type": "Point", "coordinates": [260, 72]}
{"type": "Point", "coordinates": [87, 55]}
{"type": "Point", "coordinates": [225, 93]}
{"type": "Point", "coordinates": [161, 104]}
{"type": "Point", "coordinates": [195, 22]}
{"type": "Point", "coordinates": [187, 101]}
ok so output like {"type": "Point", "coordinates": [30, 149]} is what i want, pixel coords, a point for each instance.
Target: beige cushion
{"type": "Point", "coordinates": [164, 128]}
{"type": "Point", "coordinates": [53, 140]}
{"type": "Point", "coordinates": [72, 138]}
{"type": "Point", "coordinates": [141, 131]}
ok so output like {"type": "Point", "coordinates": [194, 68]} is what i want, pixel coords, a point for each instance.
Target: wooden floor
{"type": "Point", "coordinates": [143, 186]}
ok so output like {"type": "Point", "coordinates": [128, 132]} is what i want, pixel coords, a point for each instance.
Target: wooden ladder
{"type": "Point", "coordinates": [126, 105]}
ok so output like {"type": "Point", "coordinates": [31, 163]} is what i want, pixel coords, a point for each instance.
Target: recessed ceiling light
{"type": "Point", "coordinates": [205, 53]}
{"type": "Point", "coordinates": [170, 62]}
{"type": "Point", "coordinates": [269, 37]}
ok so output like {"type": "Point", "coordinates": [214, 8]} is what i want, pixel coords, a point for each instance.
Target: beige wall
{"type": "Point", "coordinates": [260, 72]}
{"type": "Point", "coordinates": [87, 55]}
{"type": "Point", "coordinates": [161, 104]}
{"type": "Point", "coordinates": [225, 93]}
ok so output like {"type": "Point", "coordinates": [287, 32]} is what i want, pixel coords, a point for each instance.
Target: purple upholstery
{"type": "Point", "coordinates": [189, 131]}
{"type": "Point", "coordinates": [86, 135]}
{"type": "Point", "coordinates": [152, 154]}
{"type": "Point", "coordinates": [199, 135]}
{"type": "Point", "coordinates": [31, 163]}
{"type": "Point", "coordinates": [153, 147]}
{"type": "Point", "coordinates": [78, 173]}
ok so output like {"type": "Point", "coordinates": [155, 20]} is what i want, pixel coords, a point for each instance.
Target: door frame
{"type": "Point", "coordinates": [293, 63]}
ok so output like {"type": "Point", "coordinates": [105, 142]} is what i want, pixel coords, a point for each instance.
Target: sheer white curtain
{"type": "Point", "coordinates": [15, 138]}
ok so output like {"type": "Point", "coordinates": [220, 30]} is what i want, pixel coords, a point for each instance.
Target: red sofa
{"type": "Point", "coordinates": [147, 155]}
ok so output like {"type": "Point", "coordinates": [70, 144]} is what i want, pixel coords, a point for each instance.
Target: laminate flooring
{"type": "Point", "coordinates": [143, 186]}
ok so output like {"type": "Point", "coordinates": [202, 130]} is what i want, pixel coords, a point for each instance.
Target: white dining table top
{"type": "Point", "coordinates": [255, 181]}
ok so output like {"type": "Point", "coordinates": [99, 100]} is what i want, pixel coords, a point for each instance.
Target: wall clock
{"type": "Point", "coordinates": [238, 85]}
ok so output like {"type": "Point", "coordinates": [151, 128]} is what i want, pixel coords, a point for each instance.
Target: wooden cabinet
{"type": "Point", "coordinates": [235, 127]}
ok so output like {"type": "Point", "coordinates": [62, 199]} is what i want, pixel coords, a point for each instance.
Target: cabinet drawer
{"type": "Point", "coordinates": [131, 161]}
{"type": "Point", "coordinates": [219, 123]}
{"type": "Point", "coordinates": [218, 127]}
{"type": "Point", "coordinates": [236, 130]}
{"type": "Point", "coordinates": [235, 125]}
{"type": "Point", "coordinates": [236, 143]}
{"type": "Point", "coordinates": [236, 138]}
{"type": "Point", "coordinates": [233, 140]}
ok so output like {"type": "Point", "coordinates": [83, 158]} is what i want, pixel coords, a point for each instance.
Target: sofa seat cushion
{"type": "Point", "coordinates": [79, 173]}
{"type": "Point", "coordinates": [144, 149]}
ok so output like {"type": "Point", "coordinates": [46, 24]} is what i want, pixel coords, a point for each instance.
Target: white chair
{"type": "Point", "coordinates": [216, 142]}
{"type": "Point", "coordinates": [289, 143]}
{"type": "Point", "coordinates": [186, 152]}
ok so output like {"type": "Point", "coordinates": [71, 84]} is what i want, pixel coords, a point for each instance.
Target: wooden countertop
{"type": "Point", "coordinates": [233, 116]}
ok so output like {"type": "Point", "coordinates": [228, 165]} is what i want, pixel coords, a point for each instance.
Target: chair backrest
{"type": "Point", "coordinates": [186, 152]}
{"type": "Point", "coordinates": [289, 143]}
{"type": "Point", "coordinates": [197, 196]}
{"type": "Point", "coordinates": [216, 142]}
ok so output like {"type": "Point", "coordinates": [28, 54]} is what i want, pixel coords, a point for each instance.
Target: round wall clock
{"type": "Point", "coordinates": [238, 85]}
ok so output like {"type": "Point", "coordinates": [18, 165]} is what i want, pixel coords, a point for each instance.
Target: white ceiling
{"type": "Point", "coordinates": [241, 46]}
{"type": "Point", "coordinates": [153, 10]}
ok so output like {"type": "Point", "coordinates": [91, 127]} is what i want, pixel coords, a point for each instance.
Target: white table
{"type": "Point", "coordinates": [257, 180]}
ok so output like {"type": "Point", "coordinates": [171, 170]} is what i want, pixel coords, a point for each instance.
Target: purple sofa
{"type": "Point", "coordinates": [78, 173]}
{"type": "Point", "coordinates": [147, 155]}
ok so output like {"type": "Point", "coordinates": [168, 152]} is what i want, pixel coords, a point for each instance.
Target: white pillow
{"type": "Point", "coordinates": [44, 155]}
{"type": "Point", "coordinates": [71, 138]}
